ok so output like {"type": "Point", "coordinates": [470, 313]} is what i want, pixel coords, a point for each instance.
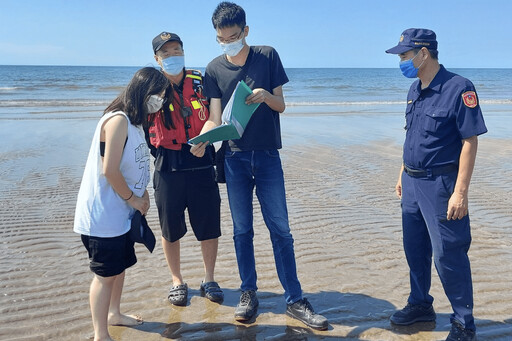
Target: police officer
{"type": "Point", "coordinates": [443, 120]}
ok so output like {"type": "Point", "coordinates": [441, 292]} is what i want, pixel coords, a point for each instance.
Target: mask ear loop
{"type": "Point", "coordinates": [422, 61]}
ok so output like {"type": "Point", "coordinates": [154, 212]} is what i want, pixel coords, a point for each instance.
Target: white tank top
{"type": "Point", "coordinates": [100, 211]}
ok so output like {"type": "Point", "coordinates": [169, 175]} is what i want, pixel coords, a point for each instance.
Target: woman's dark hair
{"type": "Point", "coordinates": [166, 117]}
{"type": "Point", "coordinates": [228, 14]}
{"type": "Point", "coordinates": [132, 101]}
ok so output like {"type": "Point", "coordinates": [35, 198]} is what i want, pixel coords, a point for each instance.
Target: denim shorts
{"type": "Point", "coordinates": [110, 256]}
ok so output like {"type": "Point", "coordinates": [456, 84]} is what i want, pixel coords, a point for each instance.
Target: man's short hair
{"type": "Point", "coordinates": [434, 54]}
{"type": "Point", "coordinates": [228, 14]}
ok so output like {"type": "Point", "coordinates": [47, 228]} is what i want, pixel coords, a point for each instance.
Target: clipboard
{"type": "Point", "coordinates": [235, 117]}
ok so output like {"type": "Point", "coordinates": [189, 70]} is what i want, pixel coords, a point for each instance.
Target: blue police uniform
{"type": "Point", "coordinates": [438, 118]}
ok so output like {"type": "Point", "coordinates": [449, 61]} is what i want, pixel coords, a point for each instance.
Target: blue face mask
{"type": "Point", "coordinates": [408, 69]}
{"type": "Point", "coordinates": [173, 65]}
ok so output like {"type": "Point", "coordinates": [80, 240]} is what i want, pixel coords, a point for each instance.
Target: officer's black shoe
{"type": "Point", "coordinates": [459, 333]}
{"type": "Point", "coordinates": [247, 307]}
{"type": "Point", "coordinates": [413, 313]}
{"type": "Point", "coordinates": [303, 311]}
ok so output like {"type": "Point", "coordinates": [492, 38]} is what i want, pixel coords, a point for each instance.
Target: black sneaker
{"type": "Point", "coordinates": [413, 313]}
{"type": "Point", "coordinates": [303, 311]}
{"type": "Point", "coordinates": [247, 307]}
{"type": "Point", "coordinates": [459, 333]}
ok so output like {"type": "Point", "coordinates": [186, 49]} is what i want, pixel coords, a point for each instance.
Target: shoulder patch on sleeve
{"type": "Point", "coordinates": [469, 98]}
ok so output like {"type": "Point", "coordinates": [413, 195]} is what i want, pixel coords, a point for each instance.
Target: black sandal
{"type": "Point", "coordinates": [178, 294]}
{"type": "Point", "coordinates": [212, 291]}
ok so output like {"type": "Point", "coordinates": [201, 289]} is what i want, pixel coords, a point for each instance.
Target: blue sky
{"type": "Point", "coordinates": [312, 33]}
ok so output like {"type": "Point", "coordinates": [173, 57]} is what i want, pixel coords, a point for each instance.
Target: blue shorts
{"type": "Point", "coordinates": [110, 256]}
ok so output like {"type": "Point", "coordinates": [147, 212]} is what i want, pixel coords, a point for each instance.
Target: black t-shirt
{"type": "Point", "coordinates": [262, 69]}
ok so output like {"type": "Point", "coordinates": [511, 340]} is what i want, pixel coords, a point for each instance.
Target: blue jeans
{"type": "Point", "coordinates": [261, 169]}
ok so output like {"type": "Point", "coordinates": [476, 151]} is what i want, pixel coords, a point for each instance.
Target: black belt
{"type": "Point", "coordinates": [431, 172]}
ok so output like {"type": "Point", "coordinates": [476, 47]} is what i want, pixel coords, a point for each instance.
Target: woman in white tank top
{"type": "Point", "coordinates": [113, 187]}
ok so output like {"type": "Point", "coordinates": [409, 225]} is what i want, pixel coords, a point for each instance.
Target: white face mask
{"type": "Point", "coordinates": [154, 104]}
{"type": "Point", "coordinates": [173, 65]}
{"type": "Point", "coordinates": [234, 48]}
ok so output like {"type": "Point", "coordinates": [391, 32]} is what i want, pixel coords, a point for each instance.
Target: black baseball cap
{"type": "Point", "coordinates": [163, 38]}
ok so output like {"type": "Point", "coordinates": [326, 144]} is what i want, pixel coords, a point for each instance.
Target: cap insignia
{"type": "Point", "coordinates": [401, 38]}
{"type": "Point", "coordinates": [165, 36]}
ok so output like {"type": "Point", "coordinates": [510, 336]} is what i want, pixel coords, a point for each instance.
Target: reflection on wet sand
{"type": "Point", "coordinates": [345, 221]}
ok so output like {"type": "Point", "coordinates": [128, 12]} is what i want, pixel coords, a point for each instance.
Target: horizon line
{"type": "Point", "coordinates": [292, 67]}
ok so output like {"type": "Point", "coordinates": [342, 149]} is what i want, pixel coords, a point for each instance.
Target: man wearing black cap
{"type": "Point", "coordinates": [443, 120]}
{"type": "Point", "coordinates": [184, 176]}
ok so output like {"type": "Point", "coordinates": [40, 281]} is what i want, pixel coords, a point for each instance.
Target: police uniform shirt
{"type": "Point", "coordinates": [438, 118]}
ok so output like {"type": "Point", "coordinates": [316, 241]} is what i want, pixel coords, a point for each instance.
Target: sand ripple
{"type": "Point", "coordinates": [346, 224]}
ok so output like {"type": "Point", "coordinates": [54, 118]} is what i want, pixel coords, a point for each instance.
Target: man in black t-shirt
{"type": "Point", "coordinates": [253, 160]}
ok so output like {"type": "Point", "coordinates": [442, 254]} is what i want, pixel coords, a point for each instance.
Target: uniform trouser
{"type": "Point", "coordinates": [261, 169]}
{"type": "Point", "coordinates": [426, 231]}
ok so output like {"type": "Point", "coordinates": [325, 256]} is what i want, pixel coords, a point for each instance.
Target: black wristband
{"type": "Point", "coordinates": [131, 195]}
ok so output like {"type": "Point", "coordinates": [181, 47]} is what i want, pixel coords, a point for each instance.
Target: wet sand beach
{"type": "Point", "coordinates": [344, 215]}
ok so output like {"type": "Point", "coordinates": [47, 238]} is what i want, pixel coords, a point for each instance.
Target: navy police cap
{"type": "Point", "coordinates": [140, 232]}
{"type": "Point", "coordinates": [163, 38]}
{"type": "Point", "coordinates": [414, 38]}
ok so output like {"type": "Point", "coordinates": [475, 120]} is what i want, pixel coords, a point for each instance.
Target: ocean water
{"type": "Point", "coordinates": [43, 92]}
{"type": "Point", "coordinates": [59, 91]}
{"type": "Point", "coordinates": [357, 90]}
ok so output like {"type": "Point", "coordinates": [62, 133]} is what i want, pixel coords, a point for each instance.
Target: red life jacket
{"type": "Point", "coordinates": [189, 122]}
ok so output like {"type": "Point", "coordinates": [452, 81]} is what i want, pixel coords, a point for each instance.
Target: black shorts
{"type": "Point", "coordinates": [110, 256]}
{"type": "Point", "coordinates": [195, 190]}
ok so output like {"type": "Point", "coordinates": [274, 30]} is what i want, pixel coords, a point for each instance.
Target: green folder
{"type": "Point", "coordinates": [235, 117]}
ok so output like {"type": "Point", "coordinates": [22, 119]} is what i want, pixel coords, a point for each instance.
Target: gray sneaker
{"type": "Point", "coordinates": [248, 306]}
{"type": "Point", "coordinates": [303, 311]}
